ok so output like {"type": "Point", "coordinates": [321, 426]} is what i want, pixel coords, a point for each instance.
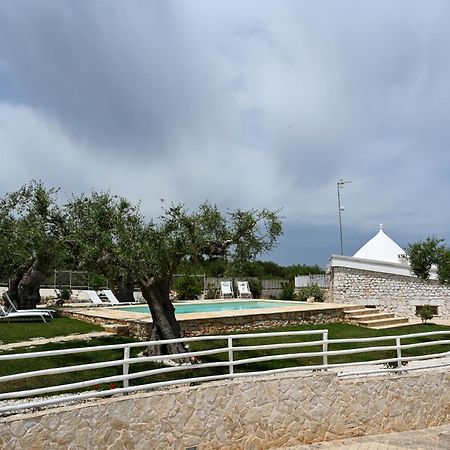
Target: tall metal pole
{"type": "Point", "coordinates": [340, 184]}
{"type": "Point", "coordinates": [339, 210]}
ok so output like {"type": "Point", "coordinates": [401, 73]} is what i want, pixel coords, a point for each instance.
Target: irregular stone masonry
{"type": "Point", "coordinates": [388, 292]}
{"type": "Point", "coordinates": [204, 326]}
{"type": "Point", "coordinates": [258, 413]}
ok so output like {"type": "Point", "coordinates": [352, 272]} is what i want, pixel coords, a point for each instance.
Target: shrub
{"type": "Point", "coordinates": [64, 293]}
{"type": "Point", "coordinates": [288, 291]}
{"type": "Point", "coordinates": [426, 312]}
{"type": "Point", "coordinates": [97, 281]}
{"type": "Point", "coordinates": [210, 293]}
{"type": "Point", "coordinates": [188, 288]}
{"type": "Point", "coordinates": [310, 291]}
{"type": "Point", "coordinates": [255, 288]}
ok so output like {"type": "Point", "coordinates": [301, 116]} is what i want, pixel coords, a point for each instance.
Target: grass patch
{"type": "Point", "coordinates": [17, 331]}
{"type": "Point", "coordinates": [336, 331]}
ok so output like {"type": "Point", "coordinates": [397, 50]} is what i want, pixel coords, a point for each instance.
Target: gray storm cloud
{"type": "Point", "coordinates": [247, 104]}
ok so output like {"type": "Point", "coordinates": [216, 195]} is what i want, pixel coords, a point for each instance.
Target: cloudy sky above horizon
{"type": "Point", "coordinates": [247, 104]}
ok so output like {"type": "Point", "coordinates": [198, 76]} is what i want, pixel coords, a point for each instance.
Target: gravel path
{"type": "Point", "coordinates": [55, 340]}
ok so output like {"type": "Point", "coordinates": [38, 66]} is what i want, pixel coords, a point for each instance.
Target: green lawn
{"type": "Point", "coordinates": [336, 331]}
{"type": "Point", "coordinates": [18, 331]}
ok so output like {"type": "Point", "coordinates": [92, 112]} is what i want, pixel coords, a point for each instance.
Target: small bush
{"type": "Point", "coordinates": [426, 312]}
{"type": "Point", "coordinates": [97, 281]}
{"type": "Point", "coordinates": [187, 288]}
{"type": "Point", "coordinates": [310, 291]}
{"type": "Point", "coordinates": [211, 292]}
{"type": "Point", "coordinates": [255, 288]}
{"type": "Point", "coordinates": [288, 291]}
{"type": "Point", "coordinates": [64, 294]}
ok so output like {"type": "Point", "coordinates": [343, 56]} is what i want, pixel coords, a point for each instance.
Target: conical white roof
{"type": "Point", "coordinates": [380, 248]}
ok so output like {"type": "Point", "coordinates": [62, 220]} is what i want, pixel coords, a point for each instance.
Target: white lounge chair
{"type": "Point", "coordinates": [113, 299]}
{"type": "Point", "coordinates": [226, 289]}
{"type": "Point", "coordinates": [138, 297]}
{"type": "Point", "coordinates": [96, 300]}
{"type": "Point", "coordinates": [22, 315]}
{"type": "Point", "coordinates": [12, 307]}
{"type": "Point", "coordinates": [244, 289]}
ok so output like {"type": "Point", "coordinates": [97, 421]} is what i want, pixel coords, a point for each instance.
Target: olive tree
{"type": "Point", "coordinates": [423, 255]}
{"type": "Point", "coordinates": [31, 240]}
{"type": "Point", "coordinates": [114, 239]}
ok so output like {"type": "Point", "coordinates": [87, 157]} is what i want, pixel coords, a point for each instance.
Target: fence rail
{"type": "Point", "coordinates": [233, 359]}
{"type": "Point", "coordinates": [322, 281]}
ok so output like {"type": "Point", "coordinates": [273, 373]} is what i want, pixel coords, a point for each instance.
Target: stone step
{"type": "Point", "coordinates": [349, 308]}
{"type": "Point", "coordinates": [116, 328]}
{"type": "Point", "coordinates": [362, 312]}
{"type": "Point", "coordinates": [386, 323]}
{"type": "Point", "coordinates": [367, 317]}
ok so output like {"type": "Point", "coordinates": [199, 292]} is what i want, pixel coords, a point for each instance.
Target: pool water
{"type": "Point", "coordinates": [184, 308]}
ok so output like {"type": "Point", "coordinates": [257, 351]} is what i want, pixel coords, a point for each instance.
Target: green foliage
{"type": "Point", "coordinates": [31, 230]}
{"type": "Point", "coordinates": [114, 239]}
{"type": "Point", "coordinates": [426, 312]}
{"type": "Point", "coordinates": [219, 267]}
{"type": "Point", "coordinates": [188, 288]}
{"type": "Point", "coordinates": [443, 265]}
{"type": "Point", "coordinates": [210, 293]}
{"type": "Point", "coordinates": [288, 291]}
{"type": "Point", "coordinates": [64, 293]}
{"type": "Point", "coordinates": [310, 291]}
{"type": "Point", "coordinates": [255, 287]}
{"type": "Point", "coordinates": [97, 281]}
{"type": "Point", "coordinates": [422, 255]}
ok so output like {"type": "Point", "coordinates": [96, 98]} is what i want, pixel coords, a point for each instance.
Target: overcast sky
{"type": "Point", "coordinates": [247, 104]}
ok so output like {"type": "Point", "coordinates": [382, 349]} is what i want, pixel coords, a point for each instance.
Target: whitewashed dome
{"type": "Point", "coordinates": [381, 248]}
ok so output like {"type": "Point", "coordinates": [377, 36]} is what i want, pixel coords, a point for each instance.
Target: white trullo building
{"type": "Point", "coordinates": [378, 275]}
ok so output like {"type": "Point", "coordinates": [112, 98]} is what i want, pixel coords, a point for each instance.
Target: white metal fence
{"type": "Point", "coordinates": [322, 281]}
{"type": "Point", "coordinates": [231, 361]}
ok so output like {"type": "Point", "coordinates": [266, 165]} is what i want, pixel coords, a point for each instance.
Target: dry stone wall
{"type": "Point", "coordinates": [215, 325]}
{"type": "Point", "coordinates": [390, 293]}
{"type": "Point", "coordinates": [260, 413]}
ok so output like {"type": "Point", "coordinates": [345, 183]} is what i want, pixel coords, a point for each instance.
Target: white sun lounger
{"type": "Point", "coordinates": [244, 289]}
{"type": "Point", "coordinates": [12, 307]}
{"type": "Point", "coordinates": [96, 300]}
{"type": "Point", "coordinates": [113, 299]}
{"type": "Point", "coordinates": [22, 315]}
{"type": "Point", "coordinates": [226, 289]}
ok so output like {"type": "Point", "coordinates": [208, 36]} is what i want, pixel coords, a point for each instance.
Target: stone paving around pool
{"type": "Point", "coordinates": [193, 324]}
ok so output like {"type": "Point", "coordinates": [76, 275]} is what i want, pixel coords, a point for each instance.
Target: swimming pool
{"type": "Point", "coordinates": [197, 307]}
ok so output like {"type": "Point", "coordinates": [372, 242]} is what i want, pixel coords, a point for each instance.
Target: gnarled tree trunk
{"type": "Point", "coordinates": [23, 288]}
{"type": "Point", "coordinates": [165, 326]}
{"type": "Point", "coordinates": [124, 291]}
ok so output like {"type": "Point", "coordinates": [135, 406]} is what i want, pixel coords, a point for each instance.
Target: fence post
{"type": "Point", "coordinates": [126, 366]}
{"type": "Point", "coordinates": [230, 355]}
{"type": "Point", "coordinates": [325, 349]}
{"type": "Point", "coordinates": [399, 352]}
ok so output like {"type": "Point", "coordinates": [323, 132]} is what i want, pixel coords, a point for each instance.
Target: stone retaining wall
{"type": "Point", "coordinates": [389, 292]}
{"type": "Point", "coordinates": [258, 413]}
{"type": "Point", "coordinates": [216, 325]}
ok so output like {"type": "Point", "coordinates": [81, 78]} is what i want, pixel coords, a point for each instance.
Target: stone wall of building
{"type": "Point", "coordinates": [259, 413]}
{"type": "Point", "coordinates": [389, 292]}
